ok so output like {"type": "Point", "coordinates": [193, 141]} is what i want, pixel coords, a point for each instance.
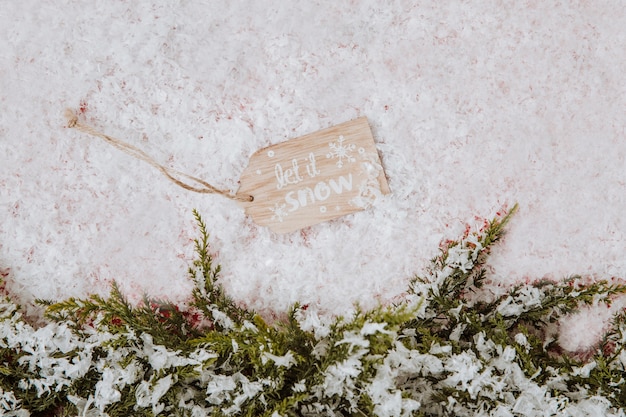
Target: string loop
{"type": "Point", "coordinates": [171, 174]}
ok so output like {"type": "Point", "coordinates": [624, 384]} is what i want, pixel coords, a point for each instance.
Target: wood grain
{"type": "Point", "coordinates": [314, 178]}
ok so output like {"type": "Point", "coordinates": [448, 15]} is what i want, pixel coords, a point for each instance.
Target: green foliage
{"type": "Point", "coordinates": [450, 348]}
{"type": "Point", "coordinates": [208, 296]}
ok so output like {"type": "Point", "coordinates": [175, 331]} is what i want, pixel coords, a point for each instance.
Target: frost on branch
{"type": "Point", "coordinates": [439, 352]}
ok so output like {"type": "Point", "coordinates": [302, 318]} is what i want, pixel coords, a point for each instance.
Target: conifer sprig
{"type": "Point", "coordinates": [208, 295]}
{"type": "Point", "coordinates": [447, 349]}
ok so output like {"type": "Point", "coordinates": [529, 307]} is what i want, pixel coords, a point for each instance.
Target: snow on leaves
{"type": "Point", "coordinates": [287, 360]}
{"type": "Point", "coordinates": [10, 404]}
{"type": "Point", "coordinates": [437, 354]}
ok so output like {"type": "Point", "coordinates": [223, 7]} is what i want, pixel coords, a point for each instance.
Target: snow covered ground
{"type": "Point", "coordinates": [473, 106]}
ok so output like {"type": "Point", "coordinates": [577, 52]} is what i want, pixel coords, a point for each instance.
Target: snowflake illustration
{"type": "Point", "coordinates": [341, 151]}
{"type": "Point", "coordinates": [279, 212]}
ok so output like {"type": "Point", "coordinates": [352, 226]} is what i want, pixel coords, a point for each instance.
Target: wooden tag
{"type": "Point", "coordinates": [314, 178]}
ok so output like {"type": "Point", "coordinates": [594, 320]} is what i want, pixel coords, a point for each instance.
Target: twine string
{"type": "Point", "coordinates": [171, 174]}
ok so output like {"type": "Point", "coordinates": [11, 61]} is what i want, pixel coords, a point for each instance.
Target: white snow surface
{"type": "Point", "coordinates": [473, 106]}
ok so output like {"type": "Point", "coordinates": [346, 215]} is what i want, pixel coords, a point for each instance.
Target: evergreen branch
{"type": "Point", "coordinates": [208, 295]}
{"type": "Point", "coordinates": [437, 353]}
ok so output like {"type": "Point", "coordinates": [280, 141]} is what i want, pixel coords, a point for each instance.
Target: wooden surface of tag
{"type": "Point", "coordinates": [314, 178]}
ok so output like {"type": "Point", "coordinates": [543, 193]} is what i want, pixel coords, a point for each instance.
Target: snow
{"type": "Point", "coordinates": [473, 106]}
